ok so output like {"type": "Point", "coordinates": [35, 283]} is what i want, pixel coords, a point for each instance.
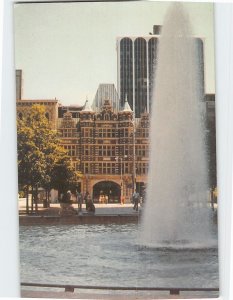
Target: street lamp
{"type": "Point", "coordinates": [134, 155]}
{"type": "Point", "coordinates": [87, 183]}
{"type": "Point", "coordinates": [117, 158]}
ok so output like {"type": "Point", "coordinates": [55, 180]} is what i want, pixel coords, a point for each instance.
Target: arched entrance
{"type": "Point", "coordinates": [106, 192]}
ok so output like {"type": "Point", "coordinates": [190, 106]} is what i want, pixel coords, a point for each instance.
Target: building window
{"type": "Point", "coordinates": [67, 132]}
{"type": "Point", "coordinates": [86, 168]}
{"type": "Point", "coordinates": [126, 169]}
{"type": "Point", "coordinates": [86, 132]}
{"type": "Point", "coordinates": [114, 168]}
{"type": "Point", "coordinates": [71, 149]}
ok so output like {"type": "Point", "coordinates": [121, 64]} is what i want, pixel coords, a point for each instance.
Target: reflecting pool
{"type": "Point", "coordinates": [111, 255]}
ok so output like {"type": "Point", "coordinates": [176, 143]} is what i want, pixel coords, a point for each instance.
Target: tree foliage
{"type": "Point", "coordinates": [42, 162]}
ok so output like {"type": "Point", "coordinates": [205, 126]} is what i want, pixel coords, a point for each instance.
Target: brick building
{"type": "Point", "coordinates": [103, 146]}
{"type": "Point", "coordinates": [108, 146]}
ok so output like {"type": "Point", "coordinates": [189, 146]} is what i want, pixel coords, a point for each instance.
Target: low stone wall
{"type": "Point", "coordinates": [81, 219]}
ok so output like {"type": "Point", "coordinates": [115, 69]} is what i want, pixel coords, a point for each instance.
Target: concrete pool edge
{"type": "Point", "coordinates": [79, 219]}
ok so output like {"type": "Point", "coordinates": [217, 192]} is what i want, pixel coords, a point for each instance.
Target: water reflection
{"type": "Point", "coordinates": [110, 255]}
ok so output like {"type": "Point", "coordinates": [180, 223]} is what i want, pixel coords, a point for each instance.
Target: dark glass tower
{"type": "Point", "coordinates": [126, 71]}
{"type": "Point", "coordinates": [137, 58]}
{"type": "Point", "coordinates": [136, 62]}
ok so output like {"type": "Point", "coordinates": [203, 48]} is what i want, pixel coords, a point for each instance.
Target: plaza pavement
{"type": "Point", "coordinates": [100, 209]}
{"type": "Point", "coordinates": [110, 209]}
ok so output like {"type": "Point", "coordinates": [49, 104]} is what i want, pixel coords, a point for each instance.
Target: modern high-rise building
{"type": "Point", "coordinates": [136, 58]}
{"type": "Point", "coordinates": [106, 91]}
{"type": "Point", "coordinates": [136, 62]}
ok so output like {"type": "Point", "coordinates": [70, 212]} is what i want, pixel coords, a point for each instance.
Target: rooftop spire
{"type": "Point", "coordinates": [126, 105]}
{"type": "Point", "coordinates": [87, 106]}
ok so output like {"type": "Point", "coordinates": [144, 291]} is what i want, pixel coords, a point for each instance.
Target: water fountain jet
{"type": "Point", "coordinates": [176, 212]}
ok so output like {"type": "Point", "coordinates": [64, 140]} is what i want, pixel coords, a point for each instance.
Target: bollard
{"type": "Point", "coordinates": [174, 292]}
{"type": "Point", "coordinates": [69, 289]}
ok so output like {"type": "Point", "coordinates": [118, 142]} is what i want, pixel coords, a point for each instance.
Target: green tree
{"type": "Point", "coordinates": [63, 175]}
{"type": "Point", "coordinates": [31, 162]}
{"type": "Point", "coordinates": [40, 157]}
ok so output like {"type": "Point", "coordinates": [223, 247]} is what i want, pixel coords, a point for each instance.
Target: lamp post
{"type": "Point", "coordinates": [121, 167]}
{"type": "Point", "coordinates": [134, 155]}
{"type": "Point", "coordinates": [86, 183]}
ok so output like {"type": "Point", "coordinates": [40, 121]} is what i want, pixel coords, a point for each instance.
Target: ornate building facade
{"type": "Point", "coordinates": [107, 145]}
{"type": "Point", "coordinates": [109, 149]}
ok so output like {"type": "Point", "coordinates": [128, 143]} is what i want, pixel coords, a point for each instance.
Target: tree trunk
{"type": "Point", "coordinates": [27, 202]}
{"type": "Point", "coordinates": [48, 202]}
{"type": "Point", "coordinates": [32, 199]}
{"type": "Point", "coordinates": [36, 198]}
{"type": "Point", "coordinates": [47, 198]}
{"type": "Point", "coordinates": [59, 196]}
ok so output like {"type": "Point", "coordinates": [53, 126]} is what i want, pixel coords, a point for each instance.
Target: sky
{"type": "Point", "coordinates": [66, 50]}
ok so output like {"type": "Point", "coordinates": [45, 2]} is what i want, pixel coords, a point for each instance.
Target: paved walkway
{"type": "Point", "coordinates": [100, 209]}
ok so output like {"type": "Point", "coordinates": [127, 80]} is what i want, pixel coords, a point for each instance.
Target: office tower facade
{"type": "Point", "coordinates": [136, 61]}
{"type": "Point", "coordinates": [136, 64]}
{"type": "Point", "coordinates": [106, 91]}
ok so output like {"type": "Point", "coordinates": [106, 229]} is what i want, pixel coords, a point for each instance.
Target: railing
{"type": "Point", "coordinates": [70, 288]}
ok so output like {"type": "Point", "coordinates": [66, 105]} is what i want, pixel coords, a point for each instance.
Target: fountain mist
{"type": "Point", "coordinates": [176, 209]}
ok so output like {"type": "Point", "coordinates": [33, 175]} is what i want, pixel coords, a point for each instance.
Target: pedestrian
{"type": "Point", "coordinates": [68, 196]}
{"type": "Point", "coordinates": [86, 197]}
{"type": "Point", "coordinates": [88, 201]}
{"type": "Point", "coordinates": [90, 207]}
{"type": "Point", "coordinates": [143, 197]}
{"type": "Point", "coordinates": [101, 199]}
{"type": "Point", "coordinates": [80, 201]}
{"type": "Point", "coordinates": [106, 199]}
{"type": "Point", "coordinates": [136, 199]}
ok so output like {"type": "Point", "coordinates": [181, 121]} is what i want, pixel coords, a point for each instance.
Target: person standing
{"type": "Point", "coordinates": [68, 196]}
{"type": "Point", "coordinates": [136, 198]}
{"type": "Point", "coordinates": [143, 198]}
{"type": "Point", "coordinates": [90, 207]}
{"type": "Point", "coordinates": [86, 198]}
{"type": "Point", "coordinates": [122, 200]}
{"type": "Point", "coordinates": [80, 201]}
